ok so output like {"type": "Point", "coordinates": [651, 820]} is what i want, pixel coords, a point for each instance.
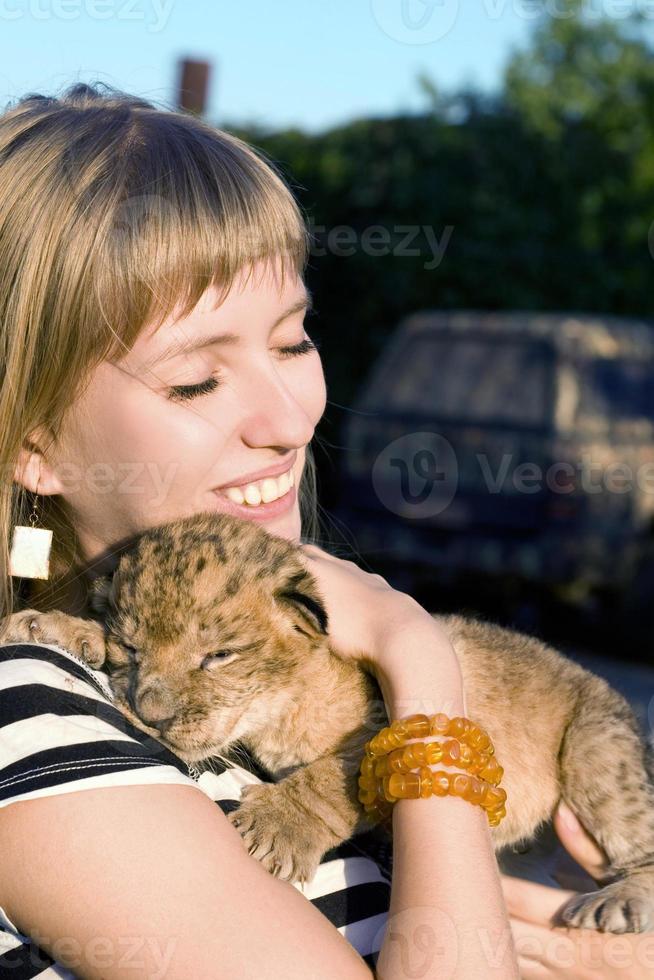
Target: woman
{"type": "Point", "coordinates": [155, 361]}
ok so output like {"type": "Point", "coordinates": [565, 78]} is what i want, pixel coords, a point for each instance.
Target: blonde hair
{"type": "Point", "coordinates": [113, 213]}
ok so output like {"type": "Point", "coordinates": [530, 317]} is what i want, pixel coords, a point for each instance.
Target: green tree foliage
{"type": "Point", "coordinates": [547, 188]}
{"type": "Point", "coordinates": [579, 68]}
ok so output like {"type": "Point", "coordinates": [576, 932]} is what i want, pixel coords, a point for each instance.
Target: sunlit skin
{"type": "Point", "coordinates": [131, 457]}
{"type": "Point", "coordinates": [547, 951]}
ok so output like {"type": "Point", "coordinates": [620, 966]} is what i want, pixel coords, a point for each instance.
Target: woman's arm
{"type": "Point", "coordinates": [447, 915]}
{"type": "Point", "coordinates": [153, 880]}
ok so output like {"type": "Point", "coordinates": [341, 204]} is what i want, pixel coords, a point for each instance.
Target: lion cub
{"type": "Point", "coordinates": [214, 632]}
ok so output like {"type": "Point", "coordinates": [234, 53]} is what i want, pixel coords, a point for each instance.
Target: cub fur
{"type": "Point", "coordinates": [213, 632]}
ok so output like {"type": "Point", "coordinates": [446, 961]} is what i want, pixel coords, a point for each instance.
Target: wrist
{"type": "Point", "coordinates": [417, 668]}
{"type": "Point", "coordinates": [425, 697]}
{"type": "Point", "coordinates": [398, 612]}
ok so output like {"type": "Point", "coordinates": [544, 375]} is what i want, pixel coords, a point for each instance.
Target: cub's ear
{"type": "Point", "coordinates": [304, 606]}
{"type": "Point", "coordinates": [101, 594]}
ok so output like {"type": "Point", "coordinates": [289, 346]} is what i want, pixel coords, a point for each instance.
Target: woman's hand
{"type": "Point", "coordinates": [369, 620]}
{"type": "Point", "coordinates": [550, 952]}
{"type": "Point", "coordinates": [362, 606]}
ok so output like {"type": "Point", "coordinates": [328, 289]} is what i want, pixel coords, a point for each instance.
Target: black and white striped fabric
{"type": "Point", "coordinates": [60, 733]}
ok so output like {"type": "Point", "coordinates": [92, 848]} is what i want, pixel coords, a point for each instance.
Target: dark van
{"type": "Point", "coordinates": [509, 447]}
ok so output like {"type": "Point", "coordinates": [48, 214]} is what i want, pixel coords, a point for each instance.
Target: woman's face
{"type": "Point", "coordinates": [142, 446]}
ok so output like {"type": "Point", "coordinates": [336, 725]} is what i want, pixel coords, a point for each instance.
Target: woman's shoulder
{"type": "Point", "coordinates": [23, 663]}
{"type": "Point", "coordinates": [60, 730]}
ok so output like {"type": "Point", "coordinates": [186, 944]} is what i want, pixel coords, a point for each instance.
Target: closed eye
{"type": "Point", "coordinates": [185, 392]}
{"type": "Point", "coordinates": [133, 653]}
{"type": "Point", "coordinates": [217, 656]}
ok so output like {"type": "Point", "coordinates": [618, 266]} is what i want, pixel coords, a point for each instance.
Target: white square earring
{"type": "Point", "coordinates": [30, 549]}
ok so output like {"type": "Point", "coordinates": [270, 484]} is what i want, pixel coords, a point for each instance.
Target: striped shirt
{"type": "Point", "coordinates": [61, 733]}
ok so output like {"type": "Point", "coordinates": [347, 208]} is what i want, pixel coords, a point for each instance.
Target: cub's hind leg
{"type": "Point", "coordinates": [607, 779]}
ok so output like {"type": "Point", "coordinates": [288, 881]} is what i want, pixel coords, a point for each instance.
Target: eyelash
{"type": "Point", "coordinates": [185, 392]}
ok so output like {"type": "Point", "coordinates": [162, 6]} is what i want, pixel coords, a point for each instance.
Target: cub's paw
{"type": "Point", "coordinates": [285, 839]}
{"type": "Point", "coordinates": [620, 907]}
{"type": "Point", "coordinates": [83, 637]}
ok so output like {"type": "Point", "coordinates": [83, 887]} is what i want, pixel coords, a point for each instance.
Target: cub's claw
{"type": "Point", "coordinates": [619, 907]}
{"type": "Point", "coordinates": [84, 638]}
{"type": "Point", "coordinates": [276, 833]}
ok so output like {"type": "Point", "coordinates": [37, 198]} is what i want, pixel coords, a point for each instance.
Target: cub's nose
{"type": "Point", "coordinates": [156, 707]}
{"type": "Point", "coordinates": [164, 724]}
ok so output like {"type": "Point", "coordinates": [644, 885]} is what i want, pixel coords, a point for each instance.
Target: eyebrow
{"type": "Point", "coordinates": [186, 345]}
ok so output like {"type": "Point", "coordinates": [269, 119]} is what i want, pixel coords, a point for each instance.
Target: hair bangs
{"type": "Point", "coordinates": [115, 215]}
{"type": "Point", "coordinates": [194, 208]}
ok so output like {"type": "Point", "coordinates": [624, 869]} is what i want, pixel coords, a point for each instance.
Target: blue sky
{"type": "Point", "coordinates": [311, 63]}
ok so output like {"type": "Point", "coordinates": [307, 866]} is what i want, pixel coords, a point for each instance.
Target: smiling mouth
{"type": "Point", "coordinates": [260, 491]}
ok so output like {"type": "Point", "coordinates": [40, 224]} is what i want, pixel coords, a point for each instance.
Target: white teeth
{"type": "Point", "coordinates": [234, 494]}
{"type": "Point", "coordinates": [252, 494]}
{"type": "Point", "coordinates": [270, 489]}
{"type": "Point", "coordinates": [262, 491]}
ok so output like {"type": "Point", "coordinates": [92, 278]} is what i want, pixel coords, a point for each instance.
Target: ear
{"type": "Point", "coordinates": [304, 605]}
{"type": "Point", "coordinates": [101, 594]}
{"type": "Point", "coordinates": [32, 469]}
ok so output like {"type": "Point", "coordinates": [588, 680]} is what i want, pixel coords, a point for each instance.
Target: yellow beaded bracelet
{"type": "Point", "coordinates": [431, 782]}
{"type": "Point", "coordinates": [420, 726]}
{"type": "Point", "coordinates": [449, 753]}
{"type": "Point", "coordinates": [386, 774]}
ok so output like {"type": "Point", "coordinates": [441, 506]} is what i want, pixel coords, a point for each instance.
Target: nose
{"type": "Point", "coordinates": [275, 417]}
{"type": "Point", "coordinates": [155, 705]}
{"type": "Point", "coordinates": [164, 724]}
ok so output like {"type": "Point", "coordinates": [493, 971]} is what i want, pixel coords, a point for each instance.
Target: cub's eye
{"type": "Point", "coordinates": [132, 651]}
{"type": "Point", "coordinates": [217, 656]}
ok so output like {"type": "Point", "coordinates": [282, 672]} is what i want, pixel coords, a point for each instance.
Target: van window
{"type": "Point", "coordinates": [617, 389]}
{"type": "Point", "coordinates": [473, 379]}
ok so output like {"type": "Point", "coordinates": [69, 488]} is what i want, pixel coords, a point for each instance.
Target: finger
{"type": "Point", "coordinates": [533, 902]}
{"type": "Point", "coordinates": [545, 954]}
{"type": "Point", "coordinates": [576, 954]}
{"type": "Point", "coordinates": [579, 843]}
{"type": "Point", "coordinates": [530, 943]}
{"type": "Point", "coordinates": [317, 552]}
{"type": "Point", "coordinates": [309, 549]}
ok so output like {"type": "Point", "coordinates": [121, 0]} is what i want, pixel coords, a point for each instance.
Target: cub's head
{"type": "Point", "coordinates": [210, 621]}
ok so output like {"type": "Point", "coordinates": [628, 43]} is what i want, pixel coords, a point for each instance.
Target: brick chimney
{"type": "Point", "coordinates": [193, 85]}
